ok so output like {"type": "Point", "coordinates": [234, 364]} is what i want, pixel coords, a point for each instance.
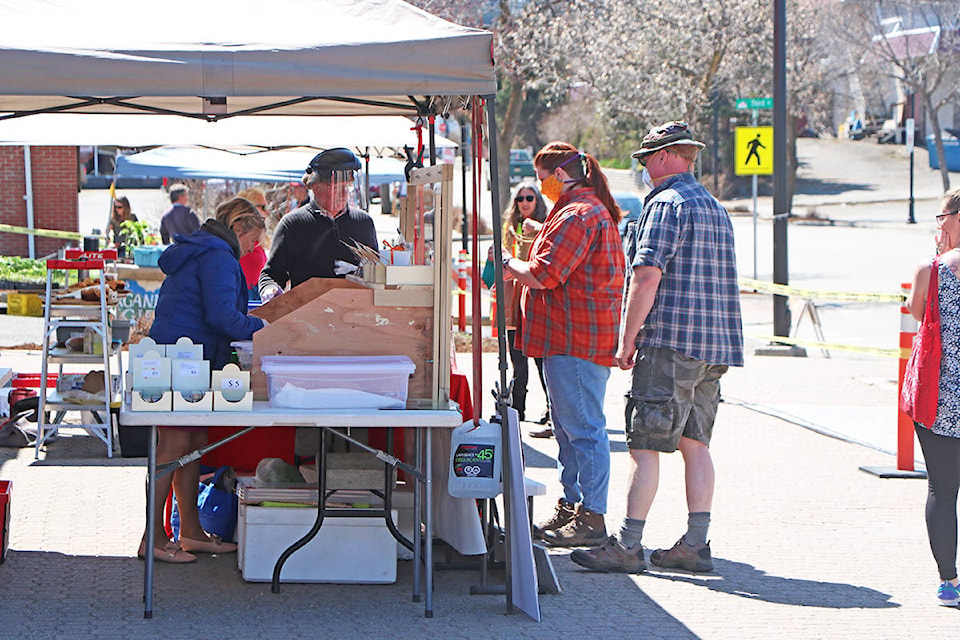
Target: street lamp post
{"type": "Point", "coordinates": [911, 135]}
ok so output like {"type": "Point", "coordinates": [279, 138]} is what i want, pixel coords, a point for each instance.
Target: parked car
{"type": "Point", "coordinates": [631, 204]}
{"type": "Point", "coordinates": [521, 166]}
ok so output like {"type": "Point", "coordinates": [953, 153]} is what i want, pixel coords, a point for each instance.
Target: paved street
{"type": "Point", "coordinates": [806, 545]}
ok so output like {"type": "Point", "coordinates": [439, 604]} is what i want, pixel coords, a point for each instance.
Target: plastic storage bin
{"type": "Point", "coordinates": [331, 382]}
{"type": "Point", "coordinates": [147, 256]}
{"type": "Point", "coordinates": [344, 551]}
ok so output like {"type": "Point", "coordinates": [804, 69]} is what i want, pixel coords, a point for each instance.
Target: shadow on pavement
{"type": "Point", "coordinates": [806, 186]}
{"type": "Point", "coordinates": [746, 581]}
{"type": "Point", "coordinates": [536, 459]}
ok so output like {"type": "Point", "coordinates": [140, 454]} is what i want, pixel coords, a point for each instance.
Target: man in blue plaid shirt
{"type": "Point", "coordinates": [680, 332]}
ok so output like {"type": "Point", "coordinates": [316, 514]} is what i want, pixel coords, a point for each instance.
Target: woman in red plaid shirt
{"type": "Point", "coordinates": [572, 294]}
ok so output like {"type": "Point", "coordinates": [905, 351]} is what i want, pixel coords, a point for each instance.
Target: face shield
{"type": "Point", "coordinates": [334, 178]}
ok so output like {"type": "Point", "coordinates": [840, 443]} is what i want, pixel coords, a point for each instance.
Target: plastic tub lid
{"type": "Point", "coordinates": [336, 364]}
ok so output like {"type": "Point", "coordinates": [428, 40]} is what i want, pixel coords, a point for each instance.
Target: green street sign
{"type": "Point", "coordinates": [754, 103]}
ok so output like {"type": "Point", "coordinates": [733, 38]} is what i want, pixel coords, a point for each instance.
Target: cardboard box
{"type": "Point", "coordinates": [344, 551]}
{"type": "Point", "coordinates": [24, 304]}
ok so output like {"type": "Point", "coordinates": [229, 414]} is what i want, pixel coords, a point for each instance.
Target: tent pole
{"type": "Point", "coordinates": [28, 198]}
{"type": "Point", "coordinates": [504, 391]}
{"type": "Point", "coordinates": [366, 193]}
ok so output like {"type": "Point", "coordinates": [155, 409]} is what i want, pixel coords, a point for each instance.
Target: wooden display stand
{"type": "Point", "coordinates": [335, 317]}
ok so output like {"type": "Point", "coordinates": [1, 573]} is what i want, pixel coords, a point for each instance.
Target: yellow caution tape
{"type": "Point", "coordinates": [818, 294]}
{"type": "Point", "coordinates": [46, 233]}
{"type": "Point", "coordinates": [877, 351]}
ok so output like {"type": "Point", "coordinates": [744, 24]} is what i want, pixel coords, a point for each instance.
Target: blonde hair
{"type": "Point", "coordinates": [252, 191]}
{"type": "Point", "coordinates": [951, 200]}
{"type": "Point", "coordinates": [240, 215]}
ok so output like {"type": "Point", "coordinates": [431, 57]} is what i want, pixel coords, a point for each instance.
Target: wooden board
{"type": "Point", "coordinates": [299, 296]}
{"type": "Point", "coordinates": [345, 321]}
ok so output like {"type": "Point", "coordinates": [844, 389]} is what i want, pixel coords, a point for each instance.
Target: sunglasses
{"type": "Point", "coordinates": [943, 216]}
{"type": "Point", "coordinates": [526, 198]}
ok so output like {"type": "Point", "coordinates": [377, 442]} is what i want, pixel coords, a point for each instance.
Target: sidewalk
{"type": "Point", "coordinates": [805, 544]}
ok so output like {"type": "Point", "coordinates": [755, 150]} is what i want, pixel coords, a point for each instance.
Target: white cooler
{"type": "Point", "coordinates": [344, 551]}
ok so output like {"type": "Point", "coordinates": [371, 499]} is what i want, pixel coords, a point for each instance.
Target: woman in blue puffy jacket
{"type": "Point", "coordinates": [203, 297]}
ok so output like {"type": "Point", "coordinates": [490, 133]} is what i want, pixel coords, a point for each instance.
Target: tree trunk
{"type": "Point", "coordinates": [792, 162]}
{"type": "Point", "coordinates": [507, 132]}
{"type": "Point", "coordinates": [937, 141]}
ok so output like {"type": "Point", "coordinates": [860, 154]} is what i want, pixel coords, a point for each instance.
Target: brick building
{"type": "Point", "coordinates": [55, 185]}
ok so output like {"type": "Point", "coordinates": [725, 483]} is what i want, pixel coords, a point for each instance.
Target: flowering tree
{"type": "Point", "coordinates": [917, 44]}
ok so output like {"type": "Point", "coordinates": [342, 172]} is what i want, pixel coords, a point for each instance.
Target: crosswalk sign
{"type": "Point", "coordinates": [753, 154]}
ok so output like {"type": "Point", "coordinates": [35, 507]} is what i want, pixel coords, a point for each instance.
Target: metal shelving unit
{"type": "Point", "coordinates": [67, 310]}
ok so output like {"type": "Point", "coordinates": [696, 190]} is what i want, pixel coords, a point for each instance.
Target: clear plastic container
{"type": "Point", "coordinates": [338, 382]}
{"type": "Point", "coordinates": [244, 349]}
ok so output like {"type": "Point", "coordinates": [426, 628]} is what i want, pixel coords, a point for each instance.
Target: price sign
{"type": "Point", "coordinates": [227, 384]}
{"type": "Point", "coordinates": [189, 368]}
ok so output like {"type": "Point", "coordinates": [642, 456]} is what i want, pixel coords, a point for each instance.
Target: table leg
{"type": "Point", "coordinates": [151, 523]}
{"type": "Point", "coordinates": [417, 503]}
{"type": "Point", "coordinates": [321, 463]}
{"type": "Point", "coordinates": [428, 529]}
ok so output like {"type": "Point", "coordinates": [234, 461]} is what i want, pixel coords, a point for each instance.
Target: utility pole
{"type": "Point", "coordinates": [781, 212]}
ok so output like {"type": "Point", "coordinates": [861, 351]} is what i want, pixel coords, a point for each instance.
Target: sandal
{"type": "Point", "coordinates": [214, 545]}
{"type": "Point", "coordinates": [171, 553]}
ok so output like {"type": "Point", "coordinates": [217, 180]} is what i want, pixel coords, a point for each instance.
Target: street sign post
{"type": "Point", "coordinates": [743, 104]}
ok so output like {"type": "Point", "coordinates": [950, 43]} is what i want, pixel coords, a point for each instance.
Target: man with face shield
{"type": "Point", "coordinates": [310, 239]}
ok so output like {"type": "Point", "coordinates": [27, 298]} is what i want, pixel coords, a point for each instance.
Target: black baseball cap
{"type": "Point", "coordinates": [327, 162]}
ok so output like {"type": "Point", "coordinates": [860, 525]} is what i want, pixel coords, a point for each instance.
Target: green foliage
{"type": "Point", "coordinates": [17, 269]}
{"type": "Point", "coordinates": [616, 163]}
{"type": "Point", "coordinates": [135, 232]}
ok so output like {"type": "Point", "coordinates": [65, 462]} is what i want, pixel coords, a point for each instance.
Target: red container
{"type": "Point", "coordinates": [5, 486]}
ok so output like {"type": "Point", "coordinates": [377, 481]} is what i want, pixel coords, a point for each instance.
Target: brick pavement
{"type": "Point", "coordinates": [806, 546]}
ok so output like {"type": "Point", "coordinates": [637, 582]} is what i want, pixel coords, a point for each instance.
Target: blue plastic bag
{"type": "Point", "coordinates": [218, 509]}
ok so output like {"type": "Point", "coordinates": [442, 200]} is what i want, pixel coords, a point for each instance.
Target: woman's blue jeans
{"type": "Point", "coordinates": [576, 388]}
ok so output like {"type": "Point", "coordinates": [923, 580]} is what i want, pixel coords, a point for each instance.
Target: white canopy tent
{"type": "Point", "coordinates": [266, 132]}
{"type": "Point", "coordinates": [378, 57]}
{"type": "Point", "coordinates": [215, 61]}
{"type": "Point", "coordinates": [201, 163]}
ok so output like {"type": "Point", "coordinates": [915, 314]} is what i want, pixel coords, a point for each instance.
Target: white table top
{"type": "Point", "coordinates": [265, 415]}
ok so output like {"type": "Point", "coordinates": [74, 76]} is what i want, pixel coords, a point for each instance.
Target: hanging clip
{"type": "Point", "coordinates": [411, 163]}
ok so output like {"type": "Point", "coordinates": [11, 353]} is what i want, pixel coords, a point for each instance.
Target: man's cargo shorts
{"type": "Point", "coordinates": [672, 395]}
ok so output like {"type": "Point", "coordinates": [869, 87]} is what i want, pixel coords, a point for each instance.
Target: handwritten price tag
{"type": "Point", "coordinates": [189, 368]}
{"type": "Point", "coordinates": [151, 373]}
{"type": "Point", "coordinates": [231, 383]}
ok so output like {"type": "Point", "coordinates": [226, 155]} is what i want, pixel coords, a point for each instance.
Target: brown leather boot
{"type": "Point", "coordinates": [586, 529]}
{"type": "Point", "coordinates": [563, 514]}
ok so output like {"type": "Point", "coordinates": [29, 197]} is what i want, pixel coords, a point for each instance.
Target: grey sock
{"type": "Point", "coordinates": [697, 525]}
{"type": "Point", "coordinates": [631, 531]}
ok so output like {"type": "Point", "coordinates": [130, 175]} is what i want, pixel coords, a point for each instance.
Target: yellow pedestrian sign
{"type": "Point", "coordinates": [753, 151]}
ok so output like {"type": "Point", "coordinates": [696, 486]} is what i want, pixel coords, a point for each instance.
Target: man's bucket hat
{"type": "Point", "coordinates": [666, 135]}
